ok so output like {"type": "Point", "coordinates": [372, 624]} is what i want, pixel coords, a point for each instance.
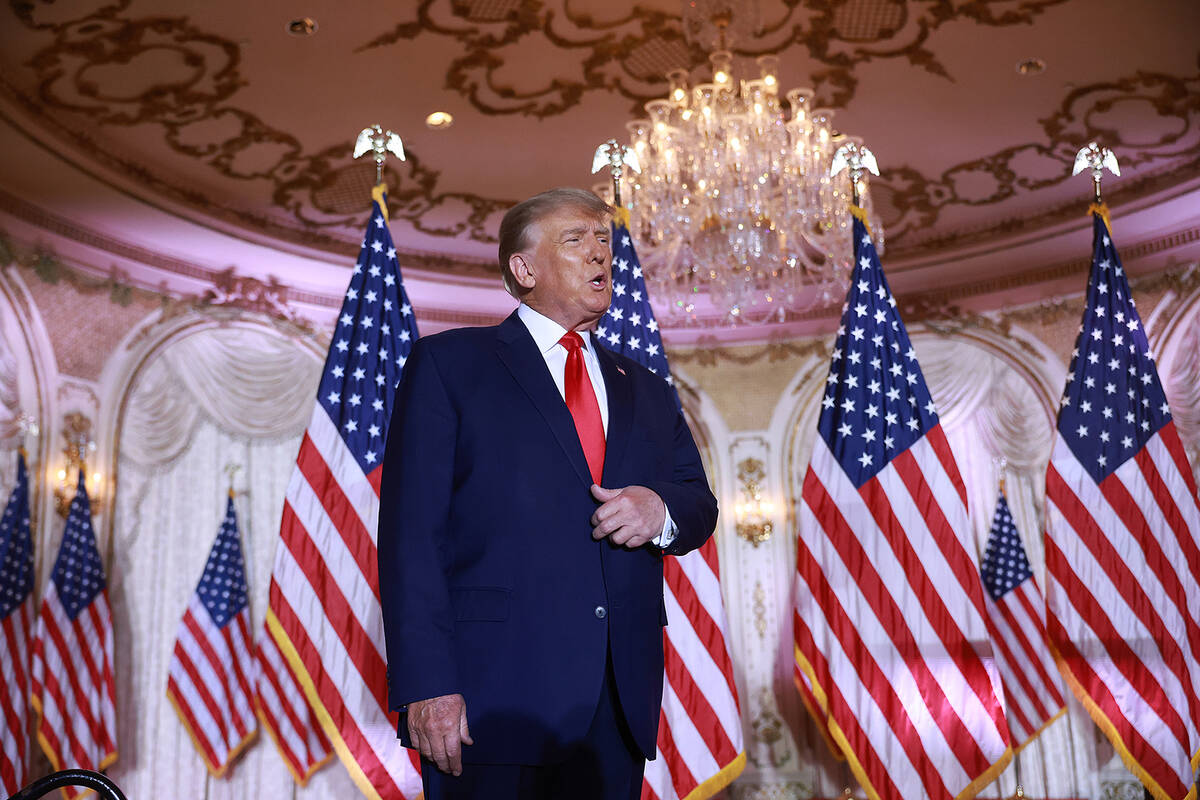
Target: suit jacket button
{"type": "Point", "coordinates": [601, 612]}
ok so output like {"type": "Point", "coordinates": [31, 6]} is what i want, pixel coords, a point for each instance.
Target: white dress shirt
{"type": "Point", "coordinates": [546, 334]}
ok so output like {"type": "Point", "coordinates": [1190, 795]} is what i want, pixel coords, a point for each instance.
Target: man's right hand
{"type": "Point", "coordinates": [438, 729]}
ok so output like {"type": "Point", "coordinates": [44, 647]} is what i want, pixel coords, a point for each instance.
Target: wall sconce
{"type": "Point", "coordinates": [752, 512]}
{"type": "Point", "coordinates": [77, 431]}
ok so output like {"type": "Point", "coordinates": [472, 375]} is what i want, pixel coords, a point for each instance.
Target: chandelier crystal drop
{"type": "Point", "coordinates": [734, 212]}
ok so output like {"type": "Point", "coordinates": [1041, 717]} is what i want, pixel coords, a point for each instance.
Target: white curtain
{"type": "Point", "coordinates": [225, 396]}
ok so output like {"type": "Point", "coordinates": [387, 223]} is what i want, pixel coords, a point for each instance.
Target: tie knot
{"type": "Point", "coordinates": [572, 341]}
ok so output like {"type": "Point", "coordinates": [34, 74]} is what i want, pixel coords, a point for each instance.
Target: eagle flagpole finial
{"type": "Point", "coordinates": [1093, 156]}
{"type": "Point", "coordinates": [380, 142]}
{"type": "Point", "coordinates": [859, 160]}
{"type": "Point", "coordinates": [615, 155]}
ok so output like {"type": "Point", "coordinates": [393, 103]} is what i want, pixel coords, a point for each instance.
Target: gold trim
{"type": "Point", "coordinates": [1105, 724]}
{"type": "Point", "coordinates": [971, 789]}
{"type": "Point", "coordinates": [379, 196]}
{"type": "Point", "coordinates": [234, 752]}
{"type": "Point", "coordinates": [105, 762]}
{"type": "Point", "coordinates": [727, 775]}
{"type": "Point", "coordinates": [1102, 210]}
{"type": "Point", "coordinates": [275, 628]}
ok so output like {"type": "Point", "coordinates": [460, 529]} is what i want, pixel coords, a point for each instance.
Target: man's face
{"type": "Point", "coordinates": [571, 262]}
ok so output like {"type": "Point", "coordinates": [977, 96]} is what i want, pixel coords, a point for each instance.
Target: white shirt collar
{"type": "Point", "coordinates": [545, 331]}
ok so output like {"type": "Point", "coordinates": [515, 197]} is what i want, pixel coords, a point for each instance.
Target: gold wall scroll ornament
{"type": "Point", "coordinates": [859, 160]}
{"type": "Point", "coordinates": [377, 141]}
{"type": "Point", "coordinates": [753, 512]}
{"type": "Point", "coordinates": [615, 156]}
{"type": "Point", "coordinates": [1096, 158]}
{"type": "Point", "coordinates": [77, 432]}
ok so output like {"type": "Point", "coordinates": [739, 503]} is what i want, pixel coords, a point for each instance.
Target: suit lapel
{"type": "Point", "coordinates": [516, 349]}
{"type": "Point", "coordinates": [620, 413]}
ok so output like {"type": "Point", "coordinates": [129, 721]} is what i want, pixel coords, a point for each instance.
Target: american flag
{"type": "Point", "coordinates": [699, 750]}
{"type": "Point", "coordinates": [209, 675]}
{"type": "Point", "coordinates": [324, 599]}
{"type": "Point", "coordinates": [72, 686]}
{"type": "Point", "coordinates": [889, 607]}
{"type": "Point", "coordinates": [16, 626]}
{"type": "Point", "coordinates": [285, 714]}
{"type": "Point", "coordinates": [1017, 621]}
{"type": "Point", "coordinates": [1123, 541]}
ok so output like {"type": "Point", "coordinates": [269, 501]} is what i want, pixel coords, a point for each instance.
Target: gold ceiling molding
{"type": "Point", "coordinates": [196, 76]}
{"type": "Point", "coordinates": [70, 85]}
{"type": "Point", "coordinates": [631, 54]}
{"type": "Point", "coordinates": [910, 203]}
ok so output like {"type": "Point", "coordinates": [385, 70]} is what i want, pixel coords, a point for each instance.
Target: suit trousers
{"type": "Point", "coordinates": [605, 765]}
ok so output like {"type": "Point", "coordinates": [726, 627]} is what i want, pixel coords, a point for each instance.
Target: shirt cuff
{"type": "Point", "coordinates": [669, 530]}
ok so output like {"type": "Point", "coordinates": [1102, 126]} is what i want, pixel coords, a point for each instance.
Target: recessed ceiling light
{"type": "Point", "coordinates": [1031, 66]}
{"type": "Point", "coordinates": [304, 26]}
{"type": "Point", "coordinates": [439, 120]}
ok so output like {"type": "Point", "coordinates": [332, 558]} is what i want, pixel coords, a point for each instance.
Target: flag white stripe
{"type": "Point", "coordinates": [1136, 709]}
{"type": "Point", "coordinates": [843, 669]}
{"type": "Point", "coordinates": [304, 745]}
{"type": "Point", "coordinates": [376, 730]}
{"type": "Point", "coordinates": [942, 577]}
{"type": "Point", "coordinates": [58, 664]}
{"type": "Point", "coordinates": [232, 702]}
{"type": "Point", "coordinates": [690, 745]}
{"type": "Point", "coordinates": [338, 560]}
{"type": "Point", "coordinates": [699, 663]}
{"type": "Point", "coordinates": [874, 724]}
{"type": "Point", "coordinates": [1123, 617]}
{"type": "Point", "coordinates": [189, 696]}
{"type": "Point", "coordinates": [345, 469]}
{"type": "Point", "coordinates": [1033, 628]}
{"type": "Point", "coordinates": [14, 740]}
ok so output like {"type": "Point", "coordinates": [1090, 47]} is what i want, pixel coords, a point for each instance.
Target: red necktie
{"type": "Point", "coordinates": [581, 400]}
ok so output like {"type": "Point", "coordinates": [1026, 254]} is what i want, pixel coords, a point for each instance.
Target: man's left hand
{"type": "Point", "coordinates": [629, 517]}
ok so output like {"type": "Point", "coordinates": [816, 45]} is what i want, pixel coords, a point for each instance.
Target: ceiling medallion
{"type": "Point", "coordinates": [735, 213]}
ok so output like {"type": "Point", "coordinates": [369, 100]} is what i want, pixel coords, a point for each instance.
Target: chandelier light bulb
{"type": "Point", "coordinates": [735, 215]}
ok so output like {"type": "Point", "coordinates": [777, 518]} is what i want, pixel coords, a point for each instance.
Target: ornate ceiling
{"type": "Point", "coordinates": [214, 112]}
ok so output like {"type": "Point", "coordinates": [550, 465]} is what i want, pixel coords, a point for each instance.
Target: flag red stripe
{"type": "Point", "coordinates": [1131, 516]}
{"type": "Point", "coordinates": [261, 703]}
{"type": "Point", "coordinates": [1024, 670]}
{"type": "Point", "coordinates": [1048, 680]}
{"type": "Point", "coordinates": [84, 651]}
{"type": "Point", "coordinates": [696, 704]}
{"type": "Point", "coordinates": [1093, 538]}
{"type": "Point", "coordinates": [340, 510]}
{"type": "Point", "coordinates": [16, 722]}
{"type": "Point", "coordinates": [64, 655]}
{"type": "Point", "coordinates": [941, 621]}
{"type": "Point", "coordinates": [243, 633]}
{"type": "Point", "coordinates": [329, 693]}
{"type": "Point", "coordinates": [1015, 708]}
{"type": "Point", "coordinates": [1089, 609]}
{"type": "Point", "coordinates": [76, 745]}
{"type": "Point", "coordinates": [708, 551]}
{"type": "Point", "coordinates": [872, 678]}
{"type": "Point", "coordinates": [198, 683]}
{"type": "Point", "coordinates": [936, 438]}
{"type": "Point", "coordinates": [218, 668]}
{"type": "Point", "coordinates": [1144, 754]}
{"type": "Point", "coordinates": [839, 711]}
{"type": "Point", "coordinates": [210, 755]}
{"type": "Point", "coordinates": [1166, 569]}
{"type": "Point", "coordinates": [681, 776]}
{"type": "Point", "coordinates": [358, 644]}
{"type": "Point", "coordinates": [701, 621]}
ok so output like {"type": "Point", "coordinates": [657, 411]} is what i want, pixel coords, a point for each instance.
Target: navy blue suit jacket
{"type": "Point", "coordinates": [490, 580]}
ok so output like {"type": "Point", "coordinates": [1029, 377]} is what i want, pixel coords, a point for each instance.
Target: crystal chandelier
{"type": "Point", "coordinates": [734, 211]}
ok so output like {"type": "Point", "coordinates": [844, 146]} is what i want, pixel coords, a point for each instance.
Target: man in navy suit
{"type": "Point", "coordinates": [533, 482]}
